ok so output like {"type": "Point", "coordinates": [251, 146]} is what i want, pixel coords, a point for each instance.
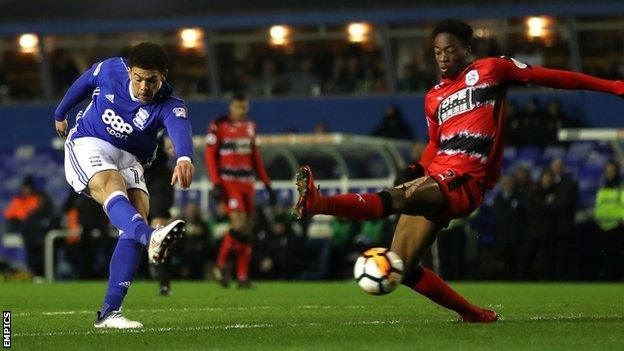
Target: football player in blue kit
{"type": "Point", "coordinates": [114, 137]}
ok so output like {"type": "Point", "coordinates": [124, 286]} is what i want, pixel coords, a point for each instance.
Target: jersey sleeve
{"type": "Point", "coordinates": [211, 153]}
{"type": "Point", "coordinates": [179, 129]}
{"type": "Point", "coordinates": [431, 150]}
{"type": "Point", "coordinates": [258, 163]}
{"type": "Point", "coordinates": [78, 91]}
{"type": "Point", "coordinates": [510, 70]}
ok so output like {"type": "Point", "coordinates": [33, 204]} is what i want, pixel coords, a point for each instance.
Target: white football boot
{"type": "Point", "coordinates": [163, 238]}
{"type": "Point", "coordinates": [116, 320]}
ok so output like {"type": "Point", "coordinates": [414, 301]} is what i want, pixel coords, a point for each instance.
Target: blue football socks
{"type": "Point", "coordinates": [123, 264]}
{"type": "Point", "coordinates": [126, 218]}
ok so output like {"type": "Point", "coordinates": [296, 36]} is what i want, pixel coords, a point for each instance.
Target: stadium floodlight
{"type": "Point", "coordinates": [358, 31]}
{"type": "Point", "coordinates": [536, 27]}
{"type": "Point", "coordinates": [28, 42]}
{"type": "Point", "coordinates": [279, 34]}
{"type": "Point", "coordinates": [191, 37]}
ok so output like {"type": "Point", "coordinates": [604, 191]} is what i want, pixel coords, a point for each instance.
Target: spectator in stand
{"type": "Point", "coordinates": [31, 214]}
{"type": "Point", "coordinates": [538, 251]}
{"type": "Point", "coordinates": [609, 216]}
{"type": "Point", "coordinates": [414, 78]}
{"type": "Point", "coordinates": [523, 184]}
{"type": "Point", "coordinates": [347, 73]}
{"type": "Point", "coordinates": [269, 81]}
{"type": "Point", "coordinates": [94, 244]}
{"type": "Point", "coordinates": [566, 198]}
{"type": "Point", "coordinates": [534, 125]}
{"type": "Point", "coordinates": [393, 125]}
{"type": "Point", "coordinates": [556, 119]}
{"type": "Point", "coordinates": [64, 71]}
{"type": "Point", "coordinates": [22, 205]}
{"type": "Point", "coordinates": [303, 81]}
{"type": "Point", "coordinates": [192, 250]}
{"type": "Point", "coordinates": [510, 216]}
{"type": "Point", "coordinates": [288, 247]}
{"type": "Point", "coordinates": [514, 125]}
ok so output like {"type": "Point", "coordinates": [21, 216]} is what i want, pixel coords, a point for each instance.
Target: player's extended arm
{"type": "Point", "coordinates": [211, 154]}
{"type": "Point", "coordinates": [179, 130]}
{"type": "Point", "coordinates": [509, 69]}
{"type": "Point", "coordinates": [78, 91]}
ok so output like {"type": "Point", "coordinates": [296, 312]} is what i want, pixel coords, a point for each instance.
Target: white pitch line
{"type": "Point", "coordinates": [191, 309]}
{"type": "Point", "coordinates": [210, 327]}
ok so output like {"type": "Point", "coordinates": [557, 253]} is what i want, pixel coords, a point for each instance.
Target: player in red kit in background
{"type": "Point", "coordinates": [233, 160]}
{"type": "Point", "coordinates": [464, 114]}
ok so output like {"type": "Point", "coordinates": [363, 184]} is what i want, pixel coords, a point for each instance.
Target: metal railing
{"type": "Point", "coordinates": [50, 237]}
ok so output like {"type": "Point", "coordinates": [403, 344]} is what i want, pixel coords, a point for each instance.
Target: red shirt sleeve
{"type": "Point", "coordinates": [431, 150]}
{"type": "Point", "coordinates": [259, 164]}
{"type": "Point", "coordinates": [509, 69]}
{"type": "Point", "coordinates": [211, 153]}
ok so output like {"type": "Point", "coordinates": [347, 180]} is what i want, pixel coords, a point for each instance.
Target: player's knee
{"type": "Point", "coordinates": [399, 200]}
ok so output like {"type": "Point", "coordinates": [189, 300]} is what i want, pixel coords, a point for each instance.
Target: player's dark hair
{"type": "Point", "coordinates": [239, 96]}
{"type": "Point", "coordinates": [460, 29]}
{"type": "Point", "coordinates": [149, 56]}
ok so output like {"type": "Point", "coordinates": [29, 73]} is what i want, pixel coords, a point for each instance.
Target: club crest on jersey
{"type": "Point", "coordinates": [179, 112]}
{"type": "Point", "coordinates": [140, 118]}
{"type": "Point", "coordinates": [472, 77]}
{"type": "Point", "coordinates": [211, 139]}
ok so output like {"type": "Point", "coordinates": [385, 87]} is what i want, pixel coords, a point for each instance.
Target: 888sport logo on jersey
{"type": "Point", "coordinates": [116, 126]}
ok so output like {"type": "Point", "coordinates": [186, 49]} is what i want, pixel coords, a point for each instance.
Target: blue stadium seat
{"type": "Point", "coordinates": [580, 149]}
{"type": "Point", "coordinates": [529, 154]}
{"type": "Point", "coordinates": [554, 151]}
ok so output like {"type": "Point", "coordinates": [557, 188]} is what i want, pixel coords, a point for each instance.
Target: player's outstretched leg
{"type": "Point", "coordinates": [413, 236]}
{"type": "Point", "coordinates": [123, 264]}
{"type": "Point", "coordinates": [353, 206]}
{"type": "Point", "coordinates": [427, 283]}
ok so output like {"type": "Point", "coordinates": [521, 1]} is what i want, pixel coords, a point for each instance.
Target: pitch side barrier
{"type": "Point", "coordinates": [614, 136]}
{"type": "Point", "coordinates": [342, 163]}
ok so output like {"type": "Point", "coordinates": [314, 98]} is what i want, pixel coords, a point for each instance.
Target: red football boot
{"type": "Point", "coordinates": [308, 194]}
{"type": "Point", "coordinates": [482, 315]}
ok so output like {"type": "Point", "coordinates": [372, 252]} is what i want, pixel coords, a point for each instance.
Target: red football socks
{"type": "Point", "coordinates": [352, 206]}
{"type": "Point", "coordinates": [243, 257]}
{"type": "Point", "coordinates": [434, 288]}
{"type": "Point", "coordinates": [224, 250]}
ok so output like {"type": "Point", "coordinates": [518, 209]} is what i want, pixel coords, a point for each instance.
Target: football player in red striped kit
{"type": "Point", "coordinates": [233, 160]}
{"type": "Point", "coordinates": [464, 114]}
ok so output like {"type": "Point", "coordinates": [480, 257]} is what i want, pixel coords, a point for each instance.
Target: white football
{"type": "Point", "coordinates": [378, 271]}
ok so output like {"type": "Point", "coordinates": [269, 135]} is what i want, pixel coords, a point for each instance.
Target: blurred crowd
{"type": "Point", "coordinates": [532, 229]}
{"type": "Point", "coordinates": [304, 69]}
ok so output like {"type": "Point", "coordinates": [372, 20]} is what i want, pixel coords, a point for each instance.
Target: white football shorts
{"type": "Point", "coordinates": [87, 156]}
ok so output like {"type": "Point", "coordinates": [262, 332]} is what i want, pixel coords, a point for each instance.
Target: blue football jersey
{"type": "Point", "coordinates": [116, 116]}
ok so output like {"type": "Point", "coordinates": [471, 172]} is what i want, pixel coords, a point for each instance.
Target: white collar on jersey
{"type": "Point", "coordinates": [131, 94]}
{"type": "Point", "coordinates": [135, 99]}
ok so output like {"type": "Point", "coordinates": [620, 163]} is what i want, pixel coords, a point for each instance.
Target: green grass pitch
{"type": "Point", "coordinates": [316, 316]}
